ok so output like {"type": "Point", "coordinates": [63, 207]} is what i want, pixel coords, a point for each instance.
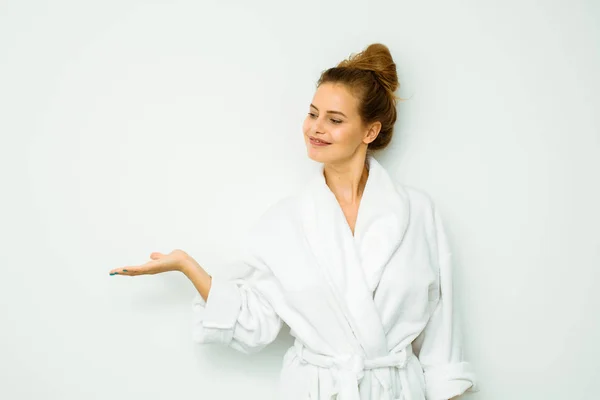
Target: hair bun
{"type": "Point", "coordinates": [378, 59]}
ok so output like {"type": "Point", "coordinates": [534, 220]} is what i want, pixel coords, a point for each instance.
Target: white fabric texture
{"type": "Point", "coordinates": [371, 313]}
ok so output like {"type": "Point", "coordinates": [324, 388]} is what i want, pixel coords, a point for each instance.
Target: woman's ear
{"type": "Point", "coordinates": [372, 132]}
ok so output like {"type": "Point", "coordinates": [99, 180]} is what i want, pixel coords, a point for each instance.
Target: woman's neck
{"type": "Point", "coordinates": [347, 181]}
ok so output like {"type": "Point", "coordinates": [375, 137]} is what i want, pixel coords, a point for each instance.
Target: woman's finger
{"type": "Point", "coordinates": [156, 255]}
{"type": "Point", "coordinates": [124, 271]}
{"type": "Point", "coordinates": [151, 267]}
{"type": "Point", "coordinates": [130, 270]}
{"type": "Point", "coordinates": [159, 263]}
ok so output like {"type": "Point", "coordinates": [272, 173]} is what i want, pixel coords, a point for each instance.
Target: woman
{"type": "Point", "coordinates": [355, 263]}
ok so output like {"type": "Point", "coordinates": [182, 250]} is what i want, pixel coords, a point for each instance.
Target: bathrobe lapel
{"type": "Point", "coordinates": [353, 265]}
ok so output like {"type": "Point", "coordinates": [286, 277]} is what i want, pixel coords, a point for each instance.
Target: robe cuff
{"type": "Point", "coordinates": [215, 318]}
{"type": "Point", "coordinates": [446, 381]}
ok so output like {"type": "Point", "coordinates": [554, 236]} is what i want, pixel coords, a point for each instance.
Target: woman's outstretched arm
{"type": "Point", "coordinates": [200, 278]}
{"type": "Point", "coordinates": [233, 312]}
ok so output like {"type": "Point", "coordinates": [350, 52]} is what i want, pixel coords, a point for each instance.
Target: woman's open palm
{"type": "Point", "coordinates": [160, 263]}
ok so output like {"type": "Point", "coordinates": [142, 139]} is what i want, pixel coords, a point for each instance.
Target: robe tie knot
{"type": "Point", "coordinates": [350, 371]}
{"type": "Point", "coordinates": [354, 364]}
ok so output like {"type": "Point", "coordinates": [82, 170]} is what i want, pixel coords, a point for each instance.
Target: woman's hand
{"type": "Point", "coordinates": [174, 261]}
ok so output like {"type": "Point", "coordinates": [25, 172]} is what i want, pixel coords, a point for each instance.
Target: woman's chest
{"type": "Point", "coordinates": [350, 213]}
{"type": "Point", "coordinates": [407, 274]}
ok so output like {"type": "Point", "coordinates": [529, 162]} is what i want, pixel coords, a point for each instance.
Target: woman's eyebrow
{"type": "Point", "coordinates": [329, 111]}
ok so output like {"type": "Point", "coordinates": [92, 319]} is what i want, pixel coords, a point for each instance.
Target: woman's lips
{"type": "Point", "coordinates": [316, 142]}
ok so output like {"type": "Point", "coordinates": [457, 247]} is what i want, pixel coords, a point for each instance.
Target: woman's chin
{"type": "Point", "coordinates": [317, 156]}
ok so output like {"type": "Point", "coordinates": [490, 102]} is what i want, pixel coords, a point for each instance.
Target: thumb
{"type": "Point", "coordinates": [155, 255]}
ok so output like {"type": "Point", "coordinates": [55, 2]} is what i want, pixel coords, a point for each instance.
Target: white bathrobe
{"type": "Point", "coordinates": [371, 313]}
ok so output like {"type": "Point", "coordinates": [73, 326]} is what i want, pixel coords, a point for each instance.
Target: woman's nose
{"type": "Point", "coordinates": [317, 126]}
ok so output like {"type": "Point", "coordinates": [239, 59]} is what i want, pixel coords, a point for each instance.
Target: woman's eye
{"type": "Point", "coordinates": [335, 121]}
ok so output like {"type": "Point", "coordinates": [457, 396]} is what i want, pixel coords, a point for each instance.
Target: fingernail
{"type": "Point", "coordinates": [112, 273]}
{"type": "Point", "coordinates": [124, 270]}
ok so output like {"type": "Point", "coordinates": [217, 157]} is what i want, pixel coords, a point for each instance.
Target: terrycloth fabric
{"type": "Point", "coordinates": [372, 312]}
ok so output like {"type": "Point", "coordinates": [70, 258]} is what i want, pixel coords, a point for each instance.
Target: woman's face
{"type": "Point", "coordinates": [333, 118]}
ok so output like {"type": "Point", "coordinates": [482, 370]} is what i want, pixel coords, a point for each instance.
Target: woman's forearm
{"type": "Point", "coordinates": [199, 277]}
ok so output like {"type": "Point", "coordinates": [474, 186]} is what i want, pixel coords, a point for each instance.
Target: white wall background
{"type": "Point", "coordinates": [134, 126]}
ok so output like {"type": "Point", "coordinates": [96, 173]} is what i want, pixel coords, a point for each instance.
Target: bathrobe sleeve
{"type": "Point", "coordinates": [238, 312]}
{"type": "Point", "coordinates": [439, 346]}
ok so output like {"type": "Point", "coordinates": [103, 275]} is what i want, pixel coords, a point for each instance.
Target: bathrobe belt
{"type": "Point", "coordinates": [350, 371]}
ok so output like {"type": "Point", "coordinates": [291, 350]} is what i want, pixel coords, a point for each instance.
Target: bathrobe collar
{"type": "Point", "coordinates": [352, 265]}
